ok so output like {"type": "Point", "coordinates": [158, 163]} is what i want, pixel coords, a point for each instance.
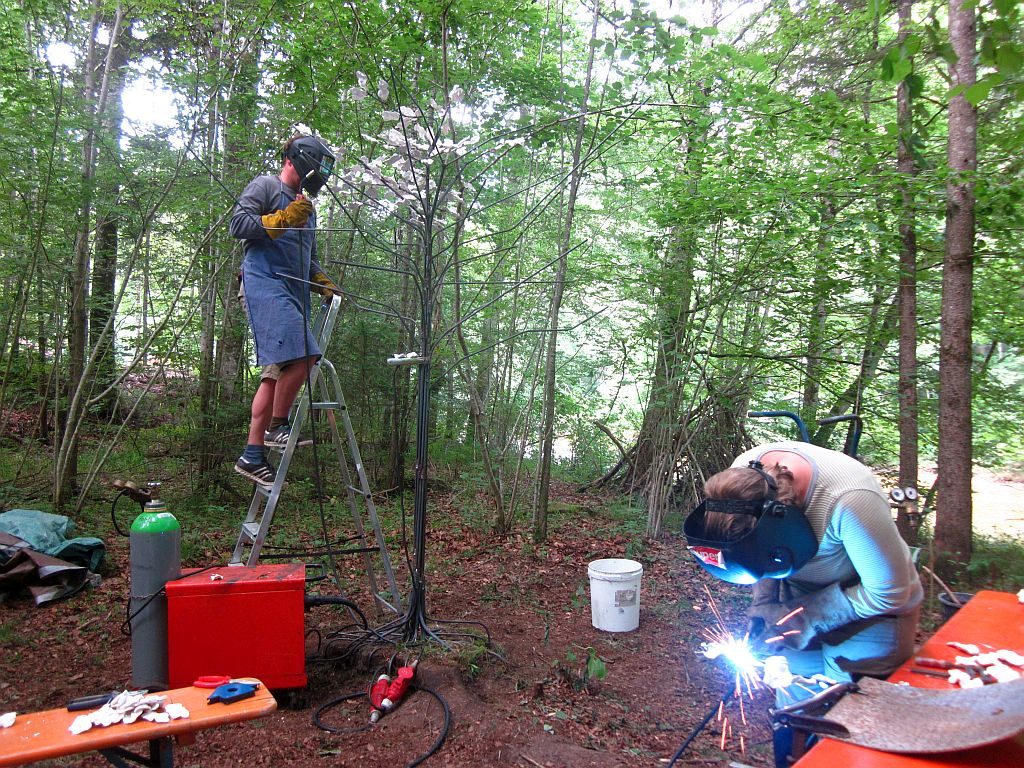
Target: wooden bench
{"type": "Point", "coordinates": [44, 735]}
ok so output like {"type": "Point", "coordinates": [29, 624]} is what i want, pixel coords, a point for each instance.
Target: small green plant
{"type": "Point", "coordinates": [490, 593]}
{"type": "Point", "coordinates": [596, 668]}
{"type": "Point", "coordinates": [580, 598]}
{"type": "Point", "coordinates": [585, 676]}
{"type": "Point", "coordinates": [471, 658]}
{"type": "Point", "coordinates": [192, 547]}
{"type": "Point", "coordinates": [9, 637]}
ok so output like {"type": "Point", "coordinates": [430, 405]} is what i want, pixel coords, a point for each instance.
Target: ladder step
{"type": "Point", "coordinates": [350, 551]}
{"type": "Point", "coordinates": [316, 553]}
{"type": "Point", "coordinates": [326, 406]}
{"type": "Point", "coordinates": [303, 442]}
{"type": "Point", "coordinates": [250, 530]}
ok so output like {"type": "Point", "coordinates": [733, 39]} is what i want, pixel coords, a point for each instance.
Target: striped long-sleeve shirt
{"type": "Point", "coordinates": [858, 544]}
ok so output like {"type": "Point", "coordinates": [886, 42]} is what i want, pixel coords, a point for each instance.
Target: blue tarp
{"type": "Point", "coordinates": [48, 534]}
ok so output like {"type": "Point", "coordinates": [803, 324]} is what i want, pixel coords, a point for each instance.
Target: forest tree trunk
{"type": "Point", "coordinates": [907, 383]}
{"type": "Point", "coordinates": [953, 514]}
{"type": "Point", "coordinates": [65, 465]}
{"type": "Point", "coordinates": [540, 512]}
{"type": "Point", "coordinates": [102, 322]}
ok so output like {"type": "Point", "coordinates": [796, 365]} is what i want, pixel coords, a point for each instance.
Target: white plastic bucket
{"type": "Point", "coordinates": [615, 594]}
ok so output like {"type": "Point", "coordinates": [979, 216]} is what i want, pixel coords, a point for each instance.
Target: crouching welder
{"type": "Point", "coordinates": [277, 223]}
{"type": "Point", "coordinates": [835, 588]}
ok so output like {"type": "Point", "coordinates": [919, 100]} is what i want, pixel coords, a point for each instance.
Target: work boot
{"type": "Point", "coordinates": [277, 437]}
{"type": "Point", "coordinates": [260, 472]}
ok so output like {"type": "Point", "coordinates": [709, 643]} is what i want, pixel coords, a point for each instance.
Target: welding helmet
{"type": "Point", "coordinates": [779, 544]}
{"type": "Point", "coordinates": [313, 161]}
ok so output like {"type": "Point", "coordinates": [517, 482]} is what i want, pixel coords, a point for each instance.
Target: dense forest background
{"type": "Point", "coordinates": [615, 228]}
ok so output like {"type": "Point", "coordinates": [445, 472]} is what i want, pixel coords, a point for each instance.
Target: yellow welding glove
{"type": "Point", "coordinates": [294, 216]}
{"type": "Point", "coordinates": [325, 286]}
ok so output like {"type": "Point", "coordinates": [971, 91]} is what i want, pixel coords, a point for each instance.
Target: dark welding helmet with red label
{"type": "Point", "coordinates": [779, 544]}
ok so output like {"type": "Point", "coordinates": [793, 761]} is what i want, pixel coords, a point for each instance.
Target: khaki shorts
{"type": "Point", "coordinates": [272, 371]}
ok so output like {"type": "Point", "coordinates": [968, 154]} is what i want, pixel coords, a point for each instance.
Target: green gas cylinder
{"type": "Point", "coordinates": [155, 555]}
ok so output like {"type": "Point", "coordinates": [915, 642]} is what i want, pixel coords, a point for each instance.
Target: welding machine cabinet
{"type": "Point", "coordinates": [238, 621]}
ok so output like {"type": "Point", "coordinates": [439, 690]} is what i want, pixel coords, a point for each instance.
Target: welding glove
{"type": "Point", "coordinates": [765, 609]}
{"type": "Point", "coordinates": [292, 217]}
{"type": "Point", "coordinates": [823, 611]}
{"type": "Point", "coordinates": [324, 285]}
{"type": "Point", "coordinates": [767, 591]}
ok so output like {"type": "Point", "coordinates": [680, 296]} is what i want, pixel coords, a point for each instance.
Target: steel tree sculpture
{"type": "Point", "coordinates": [429, 183]}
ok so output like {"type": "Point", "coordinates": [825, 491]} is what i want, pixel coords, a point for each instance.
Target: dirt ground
{"type": "Point", "coordinates": [527, 704]}
{"type": "Point", "coordinates": [998, 502]}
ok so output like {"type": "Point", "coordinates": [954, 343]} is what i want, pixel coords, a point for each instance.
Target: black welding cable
{"type": "Point", "coordinates": [700, 727]}
{"type": "Point", "coordinates": [367, 637]}
{"type": "Point", "coordinates": [438, 742]}
{"type": "Point", "coordinates": [444, 728]}
{"type": "Point", "coordinates": [126, 625]}
{"type": "Point", "coordinates": [331, 704]}
{"type": "Point", "coordinates": [469, 622]}
{"type": "Point", "coordinates": [324, 652]}
{"type": "Point", "coordinates": [313, 601]}
{"type": "Point", "coordinates": [324, 657]}
{"type": "Point", "coordinates": [113, 515]}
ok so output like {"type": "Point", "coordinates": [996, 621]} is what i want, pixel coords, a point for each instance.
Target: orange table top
{"type": "Point", "coordinates": [43, 735]}
{"type": "Point", "coordinates": [991, 620]}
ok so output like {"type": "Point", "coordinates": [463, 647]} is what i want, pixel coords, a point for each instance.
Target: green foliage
{"type": "Point", "coordinates": [596, 669]}
{"type": "Point", "coordinates": [471, 658]}
{"type": "Point", "coordinates": [582, 676]}
{"type": "Point", "coordinates": [10, 638]}
{"type": "Point", "coordinates": [996, 563]}
{"type": "Point", "coordinates": [735, 236]}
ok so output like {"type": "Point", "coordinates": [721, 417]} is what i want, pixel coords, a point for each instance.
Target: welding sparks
{"type": "Point", "coordinates": [751, 672]}
{"type": "Point", "coordinates": [790, 615]}
{"type": "Point", "coordinates": [721, 643]}
{"type": "Point", "coordinates": [737, 653]}
{"type": "Point", "coordinates": [783, 636]}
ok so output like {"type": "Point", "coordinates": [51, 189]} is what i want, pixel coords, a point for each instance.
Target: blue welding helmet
{"type": "Point", "coordinates": [779, 544]}
{"type": "Point", "coordinates": [313, 161]}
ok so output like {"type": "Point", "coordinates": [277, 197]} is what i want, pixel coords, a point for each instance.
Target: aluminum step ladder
{"type": "Point", "coordinates": [329, 399]}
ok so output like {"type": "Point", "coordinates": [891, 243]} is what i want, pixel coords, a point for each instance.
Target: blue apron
{"type": "Point", "coordinates": [275, 275]}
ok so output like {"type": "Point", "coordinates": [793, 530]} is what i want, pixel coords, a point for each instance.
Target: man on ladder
{"type": "Point", "coordinates": [277, 224]}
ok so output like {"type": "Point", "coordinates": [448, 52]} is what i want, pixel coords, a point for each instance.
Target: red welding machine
{"type": "Point", "coordinates": [240, 622]}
